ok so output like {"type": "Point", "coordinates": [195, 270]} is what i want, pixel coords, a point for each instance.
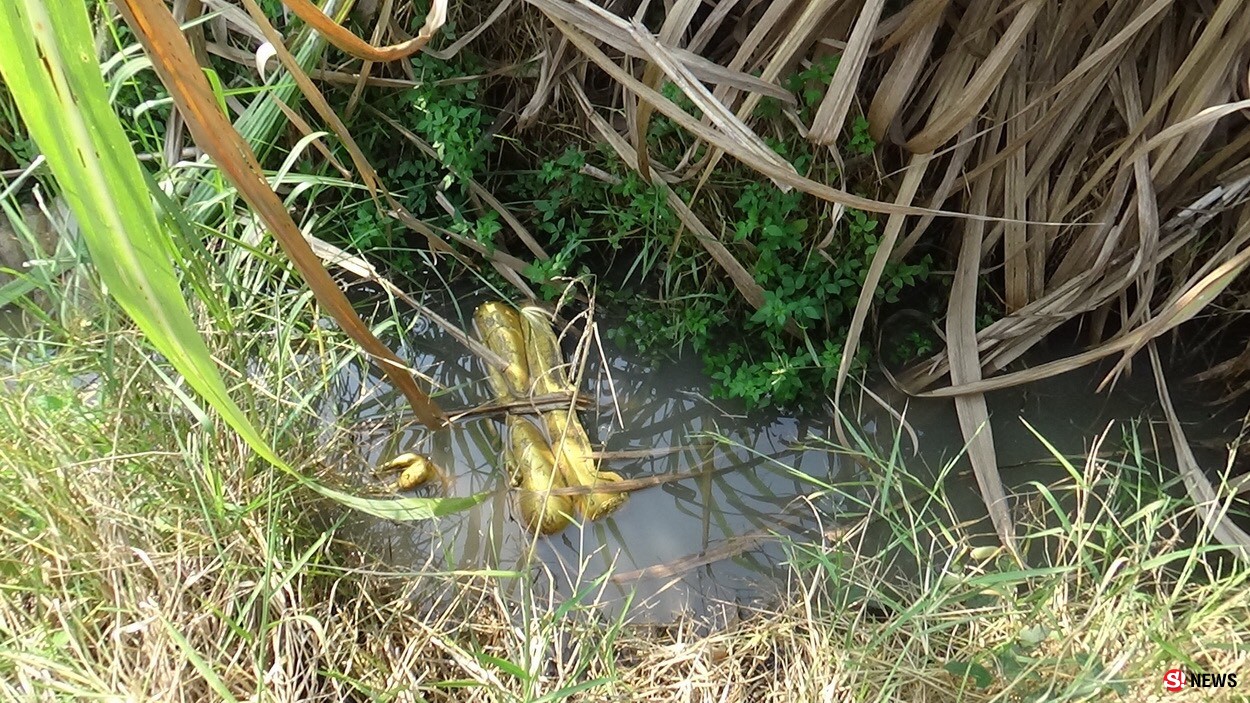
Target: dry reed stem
{"type": "Point", "coordinates": [1085, 125]}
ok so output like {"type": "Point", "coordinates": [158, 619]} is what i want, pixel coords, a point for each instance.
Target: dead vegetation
{"type": "Point", "coordinates": [144, 559]}
{"type": "Point", "coordinates": [1076, 160]}
{"type": "Point", "coordinates": [1088, 158]}
{"type": "Point", "coordinates": [1081, 161]}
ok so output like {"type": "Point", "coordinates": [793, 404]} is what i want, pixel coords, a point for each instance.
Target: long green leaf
{"type": "Point", "coordinates": [48, 62]}
{"type": "Point", "coordinates": [178, 69]}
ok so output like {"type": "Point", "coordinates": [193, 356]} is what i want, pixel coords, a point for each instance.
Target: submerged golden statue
{"type": "Point", "coordinates": [560, 457]}
{"type": "Point", "coordinates": [415, 470]}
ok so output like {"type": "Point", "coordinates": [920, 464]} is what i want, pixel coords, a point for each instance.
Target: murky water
{"type": "Point", "coordinates": [691, 544]}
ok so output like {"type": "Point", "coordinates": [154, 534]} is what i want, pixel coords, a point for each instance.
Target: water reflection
{"type": "Point", "coordinates": [755, 473]}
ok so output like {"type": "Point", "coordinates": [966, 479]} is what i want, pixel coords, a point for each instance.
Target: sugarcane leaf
{"type": "Point", "coordinates": [48, 63]}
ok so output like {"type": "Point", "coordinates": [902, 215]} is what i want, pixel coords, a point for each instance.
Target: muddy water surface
{"type": "Point", "coordinates": [694, 545]}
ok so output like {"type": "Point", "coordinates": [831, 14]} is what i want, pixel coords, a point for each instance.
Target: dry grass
{"type": "Point", "coordinates": [1089, 158]}
{"type": "Point", "coordinates": [1085, 155]}
{"type": "Point", "coordinates": [147, 558]}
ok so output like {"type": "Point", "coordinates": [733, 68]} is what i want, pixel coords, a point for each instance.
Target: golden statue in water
{"type": "Point", "coordinates": [561, 457]}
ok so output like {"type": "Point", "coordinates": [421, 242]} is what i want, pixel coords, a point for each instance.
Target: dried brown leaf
{"type": "Point", "coordinates": [344, 40]}
{"type": "Point", "coordinates": [175, 64]}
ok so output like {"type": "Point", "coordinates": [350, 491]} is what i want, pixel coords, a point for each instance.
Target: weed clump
{"type": "Point", "coordinates": [809, 260]}
{"type": "Point", "coordinates": [598, 218]}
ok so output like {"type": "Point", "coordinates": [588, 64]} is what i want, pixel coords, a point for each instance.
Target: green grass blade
{"type": "Point", "coordinates": [48, 62]}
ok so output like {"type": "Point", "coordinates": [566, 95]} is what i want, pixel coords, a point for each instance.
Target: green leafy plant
{"type": "Point", "coordinates": [861, 142]}
{"type": "Point", "coordinates": [445, 111]}
{"type": "Point", "coordinates": [806, 294]}
{"type": "Point", "coordinates": [592, 214]}
{"type": "Point", "coordinates": [810, 268]}
{"type": "Point", "coordinates": [810, 84]}
{"type": "Point", "coordinates": [914, 345]}
{"type": "Point", "coordinates": [671, 325]}
{"type": "Point", "coordinates": [581, 216]}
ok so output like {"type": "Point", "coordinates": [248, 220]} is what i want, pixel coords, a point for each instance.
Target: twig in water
{"type": "Point", "coordinates": [525, 406]}
{"type": "Point", "coordinates": [726, 549]}
{"type": "Point", "coordinates": [360, 267]}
